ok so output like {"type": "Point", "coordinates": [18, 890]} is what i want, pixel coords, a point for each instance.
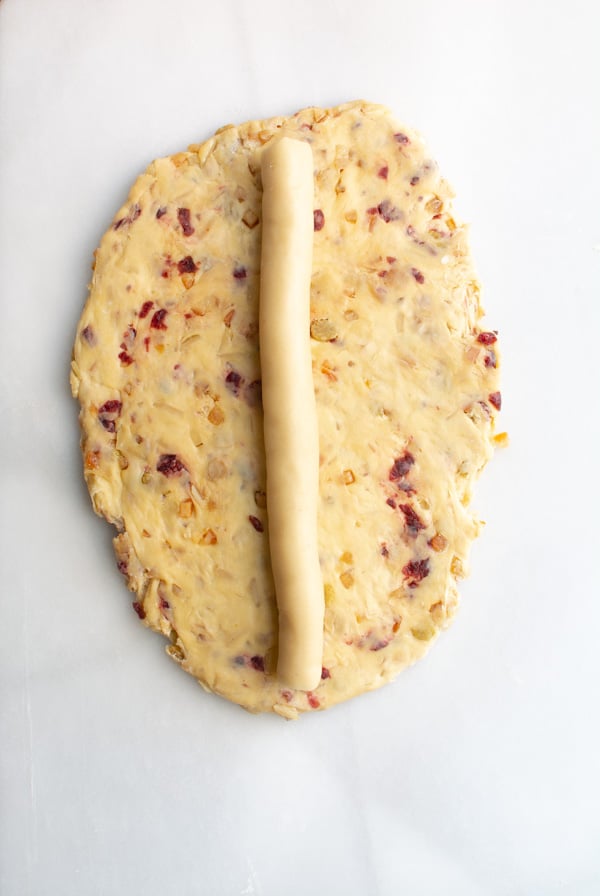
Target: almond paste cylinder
{"type": "Point", "coordinates": [290, 414]}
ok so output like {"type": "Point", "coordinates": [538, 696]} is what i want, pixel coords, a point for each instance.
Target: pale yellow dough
{"type": "Point", "coordinates": [166, 368]}
{"type": "Point", "coordinates": [289, 408]}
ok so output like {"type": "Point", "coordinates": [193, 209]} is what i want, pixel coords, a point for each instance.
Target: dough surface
{"type": "Point", "coordinates": [167, 372]}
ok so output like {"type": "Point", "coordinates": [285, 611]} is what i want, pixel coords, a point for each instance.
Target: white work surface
{"type": "Point", "coordinates": [478, 772]}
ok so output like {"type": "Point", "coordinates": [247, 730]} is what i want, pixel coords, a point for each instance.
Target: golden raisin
{"type": "Point", "coordinates": [346, 557]}
{"type": "Point", "coordinates": [216, 415]}
{"type": "Point", "coordinates": [186, 509]}
{"type": "Point", "coordinates": [347, 579]}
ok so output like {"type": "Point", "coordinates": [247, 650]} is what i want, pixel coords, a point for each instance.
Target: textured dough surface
{"type": "Point", "coordinates": [166, 369]}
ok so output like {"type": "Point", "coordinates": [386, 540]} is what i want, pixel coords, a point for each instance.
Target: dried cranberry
{"type": "Point", "coordinates": [88, 334]}
{"type": "Point", "coordinates": [402, 139]}
{"type": "Point", "coordinates": [384, 550]}
{"type": "Point", "coordinates": [170, 465]}
{"type": "Point", "coordinates": [391, 503]}
{"type": "Point", "coordinates": [383, 172]}
{"type": "Point", "coordinates": [163, 604]}
{"type": "Point", "coordinates": [253, 393]}
{"type": "Point", "coordinates": [314, 701]}
{"type": "Point", "coordinates": [162, 211]}
{"type": "Point", "coordinates": [256, 523]}
{"type": "Point", "coordinates": [187, 265]}
{"type": "Point", "coordinates": [388, 212]}
{"type": "Point", "coordinates": [325, 673]}
{"type": "Point", "coordinates": [490, 359]}
{"type": "Point", "coordinates": [401, 466]}
{"type": "Point", "coordinates": [417, 275]}
{"type": "Point", "coordinates": [416, 571]}
{"type": "Point", "coordinates": [414, 180]}
{"type": "Point", "coordinates": [234, 381]}
{"type": "Point", "coordinates": [495, 398]}
{"type": "Point", "coordinates": [379, 645]}
{"type": "Point", "coordinates": [137, 606]}
{"type": "Point", "coordinates": [413, 521]}
{"type": "Point", "coordinates": [110, 407]}
{"type": "Point", "coordinates": [125, 359]}
{"type": "Point", "coordinates": [318, 219]}
{"type": "Point", "coordinates": [158, 319]}
{"type": "Point", "coordinates": [183, 216]}
{"type": "Point", "coordinates": [122, 567]}
{"type": "Point", "coordinates": [144, 310]}
{"type": "Point", "coordinates": [134, 213]}
{"type": "Point", "coordinates": [240, 272]}
{"type": "Point", "coordinates": [258, 663]}
{"type": "Point", "coordinates": [120, 223]}
{"type": "Point", "coordinates": [487, 338]}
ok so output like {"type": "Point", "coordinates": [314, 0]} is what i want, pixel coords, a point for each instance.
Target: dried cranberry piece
{"type": "Point", "coordinates": [134, 213]}
{"type": "Point", "coordinates": [183, 216]}
{"type": "Point", "coordinates": [256, 523]}
{"type": "Point", "coordinates": [490, 359]}
{"type": "Point", "coordinates": [158, 319]}
{"type": "Point", "coordinates": [110, 407]}
{"type": "Point", "coordinates": [162, 211]}
{"type": "Point", "coordinates": [487, 338]}
{"type": "Point", "coordinates": [253, 393]}
{"type": "Point", "coordinates": [139, 609]}
{"type": "Point", "coordinates": [170, 465]}
{"type": "Point", "coordinates": [163, 604]}
{"type": "Point", "coordinates": [401, 466]}
{"type": "Point", "coordinates": [258, 663]}
{"type": "Point", "coordinates": [413, 520]}
{"type": "Point", "coordinates": [391, 503]}
{"type": "Point", "coordinates": [88, 334]}
{"type": "Point", "coordinates": [187, 265]}
{"type": "Point", "coordinates": [122, 567]}
{"type": "Point", "coordinates": [384, 550]}
{"type": "Point", "coordinates": [417, 275]}
{"type": "Point", "coordinates": [145, 309]}
{"type": "Point", "coordinates": [495, 398]}
{"type": "Point", "coordinates": [388, 212]}
{"type": "Point", "coordinates": [125, 359]}
{"type": "Point", "coordinates": [383, 172]}
{"type": "Point", "coordinates": [234, 381]}
{"type": "Point", "coordinates": [313, 701]}
{"type": "Point", "coordinates": [318, 219]}
{"type": "Point", "coordinates": [402, 139]}
{"type": "Point", "coordinates": [325, 673]}
{"type": "Point", "coordinates": [414, 180]}
{"type": "Point", "coordinates": [416, 571]}
{"type": "Point", "coordinates": [379, 645]}
{"type": "Point", "coordinates": [240, 272]}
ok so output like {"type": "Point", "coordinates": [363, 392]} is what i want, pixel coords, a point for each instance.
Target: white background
{"type": "Point", "coordinates": [478, 771]}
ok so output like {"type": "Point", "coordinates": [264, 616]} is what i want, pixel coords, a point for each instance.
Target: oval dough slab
{"type": "Point", "coordinates": [166, 369]}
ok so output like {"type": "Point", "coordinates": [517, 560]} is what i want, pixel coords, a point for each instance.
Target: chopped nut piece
{"type": "Point", "coordinates": [186, 509]}
{"type": "Point", "coordinates": [208, 537]}
{"type": "Point", "coordinates": [188, 280]}
{"type": "Point", "coordinates": [146, 477]}
{"type": "Point", "coordinates": [176, 653]}
{"type": "Point", "coordinates": [438, 612]}
{"type": "Point", "coordinates": [179, 159]}
{"type": "Point", "coordinates": [216, 415]}
{"type": "Point", "coordinates": [216, 469]}
{"type": "Point", "coordinates": [457, 568]}
{"type": "Point", "coordinates": [438, 543]}
{"type": "Point", "coordinates": [323, 330]}
{"type": "Point", "coordinates": [92, 459]}
{"type": "Point", "coordinates": [434, 206]}
{"type": "Point", "coordinates": [347, 579]}
{"type": "Point", "coordinates": [348, 477]}
{"type": "Point", "coordinates": [250, 218]}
